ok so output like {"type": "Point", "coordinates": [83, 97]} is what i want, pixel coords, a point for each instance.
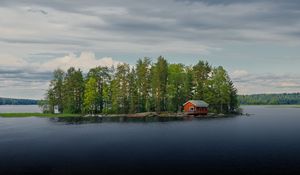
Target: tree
{"type": "Point", "coordinates": [159, 83]}
{"type": "Point", "coordinates": [73, 91]}
{"type": "Point", "coordinates": [91, 96]}
{"type": "Point", "coordinates": [219, 96]}
{"type": "Point", "coordinates": [233, 104]}
{"type": "Point", "coordinates": [102, 77]}
{"type": "Point", "coordinates": [188, 91]}
{"type": "Point", "coordinates": [175, 87]}
{"type": "Point", "coordinates": [120, 89]}
{"type": "Point", "coordinates": [147, 87]}
{"type": "Point", "coordinates": [50, 99]}
{"type": "Point", "coordinates": [143, 80]}
{"type": "Point", "coordinates": [201, 73]}
{"type": "Point", "coordinates": [133, 92]}
{"type": "Point", "coordinates": [54, 95]}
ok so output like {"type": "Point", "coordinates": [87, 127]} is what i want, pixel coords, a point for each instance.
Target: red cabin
{"type": "Point", "coordinates": [195, 107]}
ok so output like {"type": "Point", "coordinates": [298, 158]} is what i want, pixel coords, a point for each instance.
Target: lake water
{"type": "Point", "coordinates": [20, 109]}
{"type": "Point", "coordinates": [267, 142]}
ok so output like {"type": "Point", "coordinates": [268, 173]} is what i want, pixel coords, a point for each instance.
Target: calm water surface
{"type": "Point", "coordinates": [267, 142]}
{"type": "Point", "coordinates": [20, 109]}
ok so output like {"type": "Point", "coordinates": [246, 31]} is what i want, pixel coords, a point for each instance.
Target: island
{"type": "Point", "coordinates": [160, 87]}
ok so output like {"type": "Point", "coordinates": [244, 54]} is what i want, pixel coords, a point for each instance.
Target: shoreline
{"type": "Point", "coordinates": [136, 115]}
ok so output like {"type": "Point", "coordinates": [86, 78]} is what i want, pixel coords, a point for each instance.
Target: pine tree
{"type": "Point", "coordinates": [133, 92]}
{"type": "Point", "coordinates": [73, 91]}
{"type": "Point", "coordinates": [149, 87]}
{"type": "Point", "coordinates": [143, 84]}
{"type": "Point", "coordinates": [91, 96]}
{"type": "Point", "coordinates": [55, 91]}
{"type": "Point", "coordinates": [159, 84]}
{"type": "Point", "coordinates": [220, 90]}
{"type": "Point", "coordinates": [175, 89]}
{"type": "Point", "coordinates": [188, 91]}
{"type": "Point", "coordinates": [120, 89]}
{"type": "Point", "coordinates": [201, 73]}
{"type": "Point", "coordinates": [233, 104]}
{"type": "Point", "coordinates": [102, 77]}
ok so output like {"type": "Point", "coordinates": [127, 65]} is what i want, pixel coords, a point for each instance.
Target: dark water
{"type": "Point", "coordinates": [265, 143]}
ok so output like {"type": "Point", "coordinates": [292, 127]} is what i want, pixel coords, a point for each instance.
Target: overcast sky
{"type": "Point", "coordinates": [256, 41]}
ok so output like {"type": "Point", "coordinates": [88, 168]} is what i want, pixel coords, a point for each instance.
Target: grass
{"type": "Point", "coordinates": [37, 115]}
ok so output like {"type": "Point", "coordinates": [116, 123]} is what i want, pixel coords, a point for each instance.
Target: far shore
{"type": "Point", "coordinates": [274, 105]}
{"type": "Point", "coordinates": [137, 115]}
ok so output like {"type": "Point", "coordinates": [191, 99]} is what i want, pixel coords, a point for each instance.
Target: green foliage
{"type": "Point", "coordinates": [133, 92]}
{"type": "Point", "coordinates": [146, 87]}
{"type": "Point", "coordinates": [143, 81]}
{"type": "Point", "coordinates": [188, 91]}
{"type": "Point", "coordinates": [120, 89]}
{"type": "Point", "coordinates": [270, 99]}
{"type": "Point", "coordinates": [73, 88]}
{"type": "Point", "coordinates": [175, 88]}
{"type": "Point", "coordinates": [219, 92]}
{"type": "Point", "coordinates": [200, 79]}
{"type": "Point", "coordinates": [43, 104]}
{"type": "Point", "coordinates": [91, 96]}
{"type": "Point", "coordinates": [102, 77]}
{"type": "Point", "coordinates": [55, 92]}
{"type": "Point", "coordinates": [159, 84]}
{"type": "Point", "coordinates": [12, 101]}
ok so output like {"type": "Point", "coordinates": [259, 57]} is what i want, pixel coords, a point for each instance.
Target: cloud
{"type": "Point", "coordinates": [37, 11]}
{"type": "Point", "coordinates": [84, 61]}
{"type": "Point", "coordinates": [250, 83]}
{"type": "Point", "coordinates": [26, 79]}
{"type": "Point", "coordinates": [139, 26]}
{"type": "Point", "coordinates": [239, 74]}
{"type": "Point", "coordinates": [287, 84]}
{"type": "Point", "coordinates": [225, 32]}
{"type": "Point", "coordinates": [7, 60]}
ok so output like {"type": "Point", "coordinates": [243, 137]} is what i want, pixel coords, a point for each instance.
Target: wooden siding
{"type": "Point", "coordinates": [190, 108]}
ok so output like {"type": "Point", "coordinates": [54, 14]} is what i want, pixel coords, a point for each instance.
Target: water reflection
{"type": "Point", "coordinates": [86, 120]}
{"type": "Point", "coordinates": [124, 119]}
{"type": "Point", "coordinates": [265, 143]}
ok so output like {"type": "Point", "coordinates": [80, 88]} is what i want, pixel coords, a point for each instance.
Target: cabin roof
{"type": "Point", "coordinates": [197, 103]}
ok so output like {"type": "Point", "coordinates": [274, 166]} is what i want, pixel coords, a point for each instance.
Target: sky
{"type": "Point", "coordinates": [256, 41]}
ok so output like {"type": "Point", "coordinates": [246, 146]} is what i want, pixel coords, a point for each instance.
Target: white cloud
{"type": "Point", "coordinates": [21, 78]}
{"type": "Point", "coordinates": [8, 60]}
{"type": "Point", "coordinates": [84, 61]}
{"type": "Point", "coordinates": [250, 83]}
{"type": "Point", "coordinates": [288, 84]}
{"type": "Point", "coordinates": [239, 73]}
{"type": "Point", "coordinates": [215, 29]}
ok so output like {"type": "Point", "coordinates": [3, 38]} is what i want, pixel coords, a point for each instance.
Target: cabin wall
{"type": "Point", "coordinates": [187, 106]}
{"type": "Point", "coordinates": [202, 110]}
{"type": "Point", "coordinates": [198, 110]}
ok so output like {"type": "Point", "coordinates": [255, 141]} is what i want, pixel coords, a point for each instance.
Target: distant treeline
{"type": "Point", "coordinates": [147, 86]}
{"type": "Point", "coordinates": [270, 99]}
{"type": "Point", "coordinates": [11, 101]}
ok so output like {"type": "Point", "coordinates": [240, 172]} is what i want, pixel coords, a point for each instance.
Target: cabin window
{"type": "Point", "coordinates": [191, 108]}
